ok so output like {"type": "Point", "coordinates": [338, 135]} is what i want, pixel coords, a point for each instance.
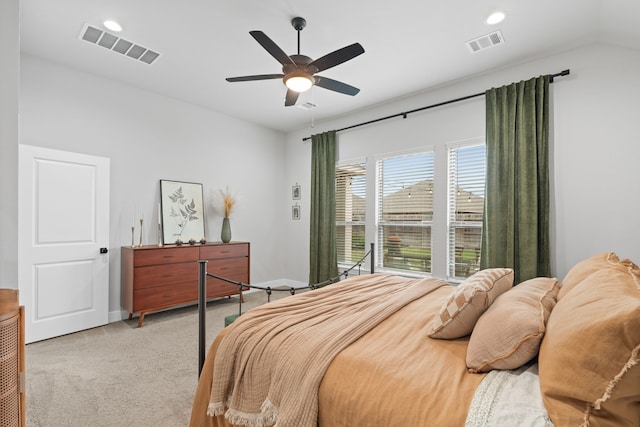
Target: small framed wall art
{"type": "Point", "coordinates": [182, 211]}
{"type": "Point", "coordinates": [295, 212]}
{"type": "Point", "coordinates": [296, 192]}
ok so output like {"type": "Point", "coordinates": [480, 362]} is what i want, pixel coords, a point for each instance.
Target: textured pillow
{"type": "Point", "coordinates": [589, 358]}
{"type": "Point", "coordinates": [509, 333]}
{"type": "Point", "coordinates": [468, 301]}
{"type": "Point", "coordinates": [584, 269]}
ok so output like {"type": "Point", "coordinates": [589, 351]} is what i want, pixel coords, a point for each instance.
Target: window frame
{"type": "Point", "coordinates": [353, 162]}
{"type": "Point", "coordinates": [452, 222]}
{"type": "Point", "coordinates": [440, 242]}
{"type": "Point", "coordinates": [379, 223]}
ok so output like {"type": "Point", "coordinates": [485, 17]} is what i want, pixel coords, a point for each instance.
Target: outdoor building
{"type": "Point", "coordinates": [404, 229]}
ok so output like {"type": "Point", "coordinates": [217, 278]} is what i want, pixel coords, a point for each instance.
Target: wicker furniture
{"type": "Point", "coordinates": [12, 380]}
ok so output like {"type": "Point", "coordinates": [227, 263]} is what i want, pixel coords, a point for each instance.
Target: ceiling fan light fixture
{"type": "Point", "coordinates": [298, 81]}
{"type": "Point", "coordinates": [298, 71]}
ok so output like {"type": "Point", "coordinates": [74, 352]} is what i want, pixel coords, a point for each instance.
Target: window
{"type": "Point", "coordinates": [350, 211]}
{"type": "Point", "coordinates": [405, 212]}
{"type": "Point", "coordinates": [466, 208]}
{"type": "Point", "coordinates": [424, 213]}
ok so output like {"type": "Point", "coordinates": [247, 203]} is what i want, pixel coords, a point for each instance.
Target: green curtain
{"type": "Point", "coordinates": [323, 255]}
{"type": "Point", "coordinates": [515, 232]}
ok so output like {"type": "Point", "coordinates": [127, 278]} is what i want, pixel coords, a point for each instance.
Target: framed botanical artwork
{"type": "Point", "coordinates": [295, 212]}
{"type": "Point", "coordinates": [182, 211]}
{"type": "Point", "coordinates": [295, 192]}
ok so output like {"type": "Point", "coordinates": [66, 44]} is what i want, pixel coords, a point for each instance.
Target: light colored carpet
{"type": "Point", "coordinates": [122, 375]}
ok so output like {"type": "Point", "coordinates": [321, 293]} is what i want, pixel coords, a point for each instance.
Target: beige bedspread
{"type": "Point", "coordinates": [393, 375]}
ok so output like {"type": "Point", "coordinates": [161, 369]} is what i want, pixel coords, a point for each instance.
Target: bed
{"type": "Point", "coordinates": [384, 350]}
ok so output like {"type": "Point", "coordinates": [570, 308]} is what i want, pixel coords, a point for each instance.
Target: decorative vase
{"type": "Point", "coordinates": [225, 235]}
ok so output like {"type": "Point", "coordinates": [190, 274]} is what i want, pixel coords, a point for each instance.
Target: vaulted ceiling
{"type": "Point", "coordinates": [410, 45]}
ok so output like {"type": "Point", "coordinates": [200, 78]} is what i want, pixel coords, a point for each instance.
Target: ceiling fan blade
{"type": "Point", "coordinates": [256, 77]}
{"type": "Point", "coordinates": [271, 47]}
{"type": "Point", "coordinates": [336, 86]}
{"type": "Point", "coordinates": [291, 98]}
{"type": "Point", "coordinates": [338, 57]}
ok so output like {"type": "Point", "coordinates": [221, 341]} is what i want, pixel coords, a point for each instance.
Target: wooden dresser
{"type": "Point", "coordinates": [154, 278]}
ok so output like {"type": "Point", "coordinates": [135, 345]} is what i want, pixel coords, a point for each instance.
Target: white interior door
{"type": "Point", "coordinates": [64, 236]}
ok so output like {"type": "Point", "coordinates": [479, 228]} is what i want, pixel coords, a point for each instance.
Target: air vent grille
{"type": "Point", "coordinates": [116, 44]}
{"type": "Point", "coordinates": [486, 41]}
{"type": "Point", "coordinates": [306, 105]}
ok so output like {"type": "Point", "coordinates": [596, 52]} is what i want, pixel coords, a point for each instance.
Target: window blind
{"type": "Point", "coordinates": [465, 208]}
{"type": "Point", "coordinates": [350, 211]}
{"type": "Point", "coordinates": [405, 211]}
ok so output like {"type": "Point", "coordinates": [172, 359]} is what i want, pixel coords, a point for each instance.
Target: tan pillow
{"type": "Point", "coordinates": [589, 359]}
{"type": "Point", "coordinates": [584, 269]}
{"type": "Point", "coordinates": [468, 301]}
{"type": "Point", "coordinates": [509, 333]}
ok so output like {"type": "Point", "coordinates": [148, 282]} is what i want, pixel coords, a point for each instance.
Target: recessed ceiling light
{"type": "Point", "coordinates": [495, 18]}
{"type": "Point", "coordinates": [113, 26]}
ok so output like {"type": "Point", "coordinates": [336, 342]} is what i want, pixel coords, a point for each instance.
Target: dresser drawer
{"type": "Point", "coordinates": [165, 296]}
{"type": "Point", "coordinates": [158, 275]}
{"type": "Point", "coordinates": [218, 288]}
{"type": "Point", "coordinates": [165, 256]}
{"type": "Point", "coordinates": [228, 250]}
{"type": "Point", "coordinates": [231, 268]}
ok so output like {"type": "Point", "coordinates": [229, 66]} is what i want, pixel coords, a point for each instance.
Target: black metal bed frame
{"type": "Point", "coordinates": [202, 295]}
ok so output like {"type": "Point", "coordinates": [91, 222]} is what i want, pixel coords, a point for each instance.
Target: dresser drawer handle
{"type": "Point", "coordinates": [168, 256]}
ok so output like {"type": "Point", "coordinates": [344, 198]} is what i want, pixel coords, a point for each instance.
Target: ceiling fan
{"type": "Point", "coordinates": [299, 71]}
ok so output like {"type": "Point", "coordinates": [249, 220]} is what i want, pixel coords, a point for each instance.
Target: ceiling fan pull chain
{"type": "Point", "coordinates": [312, 115]}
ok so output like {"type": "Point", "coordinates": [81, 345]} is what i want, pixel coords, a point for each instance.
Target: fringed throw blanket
{"type": "Point", "coordinates": [270, 363]}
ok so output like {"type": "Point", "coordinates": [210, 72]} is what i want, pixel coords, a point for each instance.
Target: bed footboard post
{"type": "Point", "coordinates": [202, 312]}
{"type": "Point", "coordinates": [372, 258]}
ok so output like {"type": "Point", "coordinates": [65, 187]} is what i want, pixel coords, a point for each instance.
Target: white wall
{"type": "Point", "coordinates": [594, 157]}
{"type": "Point", "coordinates": [149, 137]}
{"type": "Point", "coordinates": [9, 131]}
{"type": "Point", "coordinates": [595, 178]}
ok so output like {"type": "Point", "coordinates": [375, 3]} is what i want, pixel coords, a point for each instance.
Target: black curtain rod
{"type": "Point", "coordinates": [439, 104]}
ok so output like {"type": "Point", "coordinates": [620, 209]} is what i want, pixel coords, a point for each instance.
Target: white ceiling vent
{"type": "Point", "coordinates": [112, 42]}
{"type": "Point", "coordinates": [486, 41]}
